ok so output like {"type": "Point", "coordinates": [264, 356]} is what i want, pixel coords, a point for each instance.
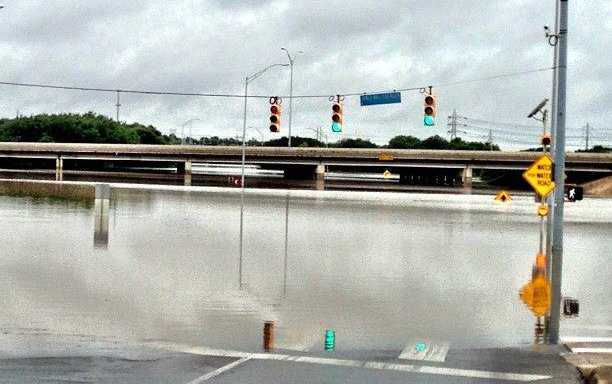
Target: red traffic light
{"type": "Point", "coordinates": [275, 113]}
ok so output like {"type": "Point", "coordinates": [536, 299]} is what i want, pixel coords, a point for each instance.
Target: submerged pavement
{"type": "Point", "coordinates": [46, 359]}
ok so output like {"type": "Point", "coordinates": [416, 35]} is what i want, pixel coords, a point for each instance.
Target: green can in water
{"type": "Point", "coordinates": [330, 340]}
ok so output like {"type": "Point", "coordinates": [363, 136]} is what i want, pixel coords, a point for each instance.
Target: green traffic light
{"type": "Point", "coordinates": [336, 127]}
{"type": "Point", "coordinates": [429, 121]}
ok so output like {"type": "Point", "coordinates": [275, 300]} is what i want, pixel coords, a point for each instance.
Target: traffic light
{"type": "Point", "coordinates": [275, 114]}
{"type": "Point", "coordinates": [571, 307]}
{"type": "Point", "coordinates": [545, 140]}
{"type": "Point", "coordinates": [429, 110]}
{"type": "Point", "coordinates": [337, 116]}
{"type": "Point", "coordinates": [574, 193]}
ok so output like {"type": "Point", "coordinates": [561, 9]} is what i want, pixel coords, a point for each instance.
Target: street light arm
{"type": "Point", "coordinates": [191, 121]}
{"type": "Point", "coordinates": [289, 55]}
{"type": "Point", "coordinates": [257, 74]}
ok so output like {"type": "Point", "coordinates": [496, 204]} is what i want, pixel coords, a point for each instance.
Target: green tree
{"type": "Point", "coordinates": [597, 149]}
{"type": "Point", "coordinates": [435, 142]}
{"type": "Point", "coordinates": [354, 143]}
{"type": "Point", "coordinates": [74, 128]}
{"type": "Point", "coordinates": [405, 142]}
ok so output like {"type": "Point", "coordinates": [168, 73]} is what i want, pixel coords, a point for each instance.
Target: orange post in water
{"type": "Point", "coordinates": [268, 335]}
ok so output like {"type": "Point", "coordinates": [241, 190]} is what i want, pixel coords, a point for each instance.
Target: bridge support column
{"type": "Point", "coordinates": [466, 177]}
{"type": "Point", "coordinates": [59, 166]}
{"type": "Point", "coordinates": [320, 177]}
{"type": "Point", "coordinates": [185, 170]}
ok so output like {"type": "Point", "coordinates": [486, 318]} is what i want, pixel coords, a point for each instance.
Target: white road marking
{"type": "Point", "coordinates": [423, 349]}
{"type": "Point", "coordinates": [580, 339]}
{"type": "Point", "coordinates": [245, 356]}
{"type": "Point", "coordinates": [219, 371]}
{"type": "Point", "coordinates": [591, 350]}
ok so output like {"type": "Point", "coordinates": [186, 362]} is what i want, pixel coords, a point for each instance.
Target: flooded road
{"type": "Point", "coordinates": [378, 268]}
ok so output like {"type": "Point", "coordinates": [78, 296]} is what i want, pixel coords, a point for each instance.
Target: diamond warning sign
{"type": "Point", "coordinates": [536, 295]}
{"type": "Point", "coordinates": [539, 175]}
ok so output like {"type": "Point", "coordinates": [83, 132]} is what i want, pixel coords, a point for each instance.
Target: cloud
{"type": "Point", "coordinates": [200, 46]}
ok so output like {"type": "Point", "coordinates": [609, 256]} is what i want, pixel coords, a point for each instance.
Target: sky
{"type": "Point", "coordinates": [487, 60]}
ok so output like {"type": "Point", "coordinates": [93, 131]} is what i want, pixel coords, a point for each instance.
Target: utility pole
{"type": "Point", "coordinates": [587, 137]}
{"type": "Point", "coordinates": [118, 105]}
{"type": "Point", "coordinates": [490, 140]}
{"type": "Point", "coordinates": [559, 173]}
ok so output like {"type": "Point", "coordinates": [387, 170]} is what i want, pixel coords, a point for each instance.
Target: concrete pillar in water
{"type": "Point", "coordinates": [101, 208]}
{"type": "Point", "coordinates": [466, 177]}
{"type": "Point", "coordinates": [320, 177]}
{"type": "Point", "coordinates": [187, 172]}
{"type": "Point", "coordinates": [59, 165]}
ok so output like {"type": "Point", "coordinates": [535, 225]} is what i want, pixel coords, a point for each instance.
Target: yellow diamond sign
{"type": "Point", "coordinates": [539, 175]}
{"type": "Point", "coordinates": [536, 295]}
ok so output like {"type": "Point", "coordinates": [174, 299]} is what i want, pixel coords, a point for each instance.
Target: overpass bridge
{"type": "Point", "coordinates": [442, 167]}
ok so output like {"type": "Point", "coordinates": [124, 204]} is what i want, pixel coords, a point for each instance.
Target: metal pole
{"type": "Point", "coordinates": [559, 139]}
{"type": "Point", "coordinates": [290, 100]}
{"type": "Point", "coordinates": [291, 59]}
{"type": "Point", "coordinates": [118, 105]}
{"type": "Point", "coordinates": [553, 132]}
{"type": "Point", "coordinates": [247, 80]}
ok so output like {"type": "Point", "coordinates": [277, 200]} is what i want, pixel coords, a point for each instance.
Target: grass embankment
{"type": "Point", "coordinates": [601, 187]}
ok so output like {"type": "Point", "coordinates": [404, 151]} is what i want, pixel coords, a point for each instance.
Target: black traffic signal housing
{"type": "Point", "coordinates": [545, 140]}
{"type": "Point", "coordinates": [275, 117]}
{"type": "Point", "coordinates": [337, 116]}
{"type": "Point", "coordinates": [571, 307]}
{"type": "Point", "coordinates": [429, 110]}
{"type": "Point", "coordinates": [573, 192]}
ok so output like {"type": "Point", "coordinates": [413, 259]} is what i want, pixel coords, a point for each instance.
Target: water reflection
{"type": "Point", "coordinates": [379, 269]}
{"type": "Point", "coordinates": [101, 209]}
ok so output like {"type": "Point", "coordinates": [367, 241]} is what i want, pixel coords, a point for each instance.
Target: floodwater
{"type": "Point", "coordinates": [378, 268]}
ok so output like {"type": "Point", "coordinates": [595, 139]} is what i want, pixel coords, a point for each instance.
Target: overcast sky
{"type": "Point", "coordinates": [349, 48]}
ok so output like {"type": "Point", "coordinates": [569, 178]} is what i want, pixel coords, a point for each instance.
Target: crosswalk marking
{"type": "Point", "coordinates": [219, 371]}
{"type": "Point", "coordinates": [429, 350]}
{"type": "Point", "coordinates": [245, 356]}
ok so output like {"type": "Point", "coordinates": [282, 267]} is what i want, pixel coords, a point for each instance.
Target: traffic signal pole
{"type": "Point", "coordinates": [552, 40]}
{"type": "Point", "coordinates": [559, 174]}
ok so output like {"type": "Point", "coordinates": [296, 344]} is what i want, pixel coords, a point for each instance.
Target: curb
{"type": "Point", "coordinates": [595, 368]}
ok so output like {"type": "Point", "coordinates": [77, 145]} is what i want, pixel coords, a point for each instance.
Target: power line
{"type": "Point", "coordinates": [229, 95]}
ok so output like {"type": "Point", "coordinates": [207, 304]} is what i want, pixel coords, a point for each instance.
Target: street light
{"type": "Point", "coordinates": [247, 80]}
{"type": "Point", "coordinates": [291, 59]}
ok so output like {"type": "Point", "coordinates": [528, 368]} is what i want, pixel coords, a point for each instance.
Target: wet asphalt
{"type": "Point", "coordinates": [159, 363]}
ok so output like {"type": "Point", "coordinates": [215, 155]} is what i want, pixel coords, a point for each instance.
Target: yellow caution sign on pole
{"type": "Point", "coordinates": [536, 295]}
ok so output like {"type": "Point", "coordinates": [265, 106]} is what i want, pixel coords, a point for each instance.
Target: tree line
{"type": "Point", "coordinates": [94, 128]}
